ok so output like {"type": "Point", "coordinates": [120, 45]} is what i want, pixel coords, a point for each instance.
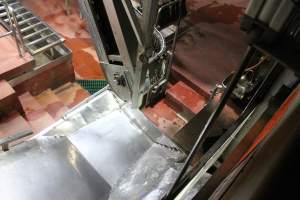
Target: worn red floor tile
{"type": "Point", "coordinates": [52, 104]}
{"type": "Point", "coordinates": [13, 123]}
{"type": "Point", "coordinates": [165, 118]}
{"type": "Point", "coordinates": [186, 98]}
{"type": "Point", "coordinates": [38, 118]}
{"type": "Point", "coordinates": [72, 95]}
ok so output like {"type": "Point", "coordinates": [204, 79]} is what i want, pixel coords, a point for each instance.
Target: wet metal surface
{"type": "Point", "coordinates": [111, 140]}
{"type": "Point", "coordinates": [102, 145]}
{"type": "Point", "coordinates": [49, 168]}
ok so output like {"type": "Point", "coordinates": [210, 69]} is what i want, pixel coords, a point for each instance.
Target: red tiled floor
{"type": "Point", "coordinates": [52, 104]}
{"type": "Point", "coordinates": [72, 95]}
{"type": "Point", "coordinates": [11, 64]}
{"type": "Point", "coordinates": [165, 118]}
{"type": "Point", "coordinates": [73, 29]}
{"type": "Point", "coordinates": [186, 98]}
{"type": "Point", "coordinates": [12, 124]}
{"type": "Point", "coordinates": [38, 118]}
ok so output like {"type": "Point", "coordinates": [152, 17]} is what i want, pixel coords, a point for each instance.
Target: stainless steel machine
{"type": "Point", "coordinates": [132, 50]}
{"type": "Point", "coordinates": [105, 148]}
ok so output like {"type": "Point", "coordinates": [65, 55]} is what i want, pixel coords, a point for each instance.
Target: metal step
{"type": "Point", "coordinates": [37, 35]}
{"type": "Point", "coordinates": [2, 7]}
{"type": "Point", "coordinates": [40, 39]}
{"type": "Point", "coordinates": [46, 47]}
{"type": "Point", "coordinates": [31, 27]}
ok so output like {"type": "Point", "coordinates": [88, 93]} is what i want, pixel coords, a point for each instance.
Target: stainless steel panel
{"type": "Point", "coordinates": [49, 168]}
{"type": "Point", "coordinates": [94, 108]}
{"type": "Point", "coordinates": [111, 144]}
{"type": "Point", "coordinates": [109, 147]}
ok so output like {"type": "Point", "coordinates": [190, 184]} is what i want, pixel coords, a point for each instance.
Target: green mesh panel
{"type": "Point", "coordinates": [92, 86]}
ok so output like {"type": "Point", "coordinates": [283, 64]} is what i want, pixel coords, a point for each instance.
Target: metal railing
{"type": "Point", "coordinates": [13, 29]}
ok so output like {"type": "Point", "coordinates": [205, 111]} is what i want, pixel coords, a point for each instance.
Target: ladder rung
{"type": "Point", "coordinates": [31, 27]}
{"type": "Point", "coordinates": [22, 14]}
{"type": "Point", "coordinates": [5, 34]}
{"type": "Point", "coordinates": [40, 39]}
{"type": "Point", "coordinates": [3, 14]}
{"type": "Point", "coordinates": [17, 16]}
{"type": "Point", "coordinates": [7, 1]}
{"type": "Point", "coordinates": [14, 3]}
{"type": "Point", "coordinates": [25, 21]}
{"type": "Point", "coordinates": [35, 33]}
{"type": "Point", "coordinates": [44, 48]}
{"type": "Point", "coordinates": [19, 8]}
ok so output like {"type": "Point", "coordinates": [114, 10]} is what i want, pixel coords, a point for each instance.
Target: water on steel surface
{"type": "Point", "coordinates": [102, 147]}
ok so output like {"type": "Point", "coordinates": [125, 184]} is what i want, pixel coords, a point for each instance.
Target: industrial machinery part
{"type": "Point", "coordinates": [102, 149]}
{"type": "Point", "coordinates": [132, 51]}
{"type": "Point", "coordinates": [267, 19]}
{"type": "Point", "coordinates": [273, 28]}
{"type": "Point", "coordinates": [212, 120]}
{"type": "Point", "coordinates": [105, 148]}
{"type": "Point", "coordinates": [275, 172]}
{"type": "Point", "coordinates": [168, 12]}
{"type": "Point", "coordinates": [267, 33]}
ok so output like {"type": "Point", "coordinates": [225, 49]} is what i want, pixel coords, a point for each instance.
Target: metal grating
{"type": "Point", "coordinates": [92, 86]}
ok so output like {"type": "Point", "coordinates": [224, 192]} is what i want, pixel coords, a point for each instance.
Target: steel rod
{"type": "Point", "coordinates": [250, 51]}
{"type": "Point", "coordinates": [247, 110]}
{"type": "Point", "coordinates": [174, 42]}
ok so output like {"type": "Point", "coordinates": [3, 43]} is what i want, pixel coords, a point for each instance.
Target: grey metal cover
{"type": "Point", "coordinates": [49, 168]}
{"type": "Point", "coordinates": [104, 149]}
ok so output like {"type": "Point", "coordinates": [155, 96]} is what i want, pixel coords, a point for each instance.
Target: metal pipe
{"type": "Point", "coordinates": [17, 31]}
{"type": "Point", "coordinates": [6, 34]}
{"type": "Point", "coordinates": [14, 26]}
{"type": "Point", "coordinates": [254, 8]}
{"type": "Point", "coordinates": [10, 13]}
{"type": "Point", "coordinates": [164, 6]}
{"type": "Point", "coordinates": [168, 71]}
{"type": "Point", "coordinates": [163, 46]}
{"type": "Point", "coordinates": [160, 38]}
{"type": "Point", "coordinates": [213, 118]}
{"type": "Point", "coordinates": [260, 93]}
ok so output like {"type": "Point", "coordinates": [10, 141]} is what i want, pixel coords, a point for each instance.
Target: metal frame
{"type": "Point", "coordinates": [14, 28]}
{"type": "Point", "coordinates": [140, 67]}
{"type": "Point", "coordinates": [248, 55]}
